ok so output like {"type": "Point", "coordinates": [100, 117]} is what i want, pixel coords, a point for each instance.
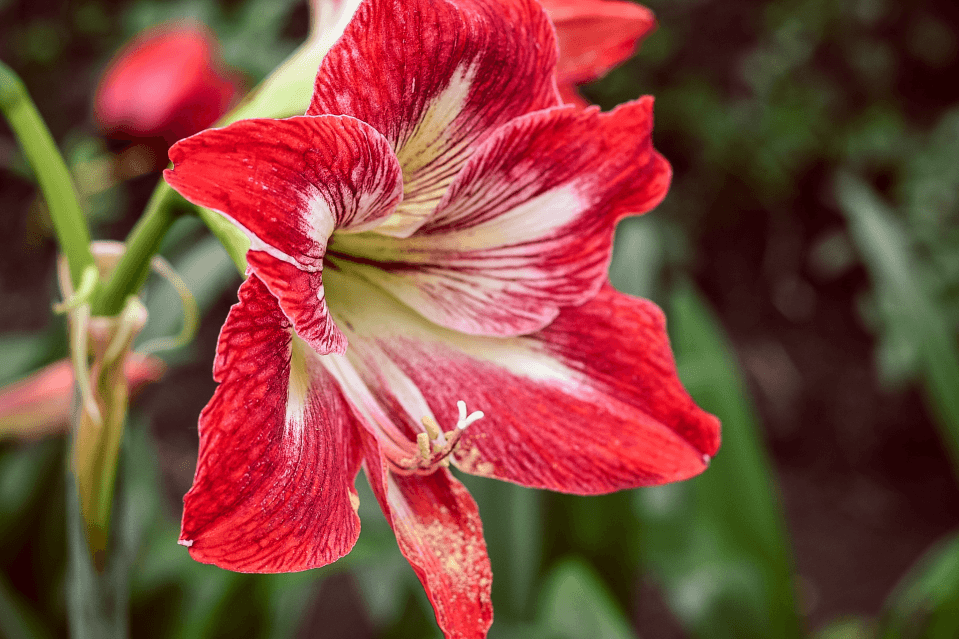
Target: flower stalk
{"type": "Point", "coordinates": [141, 245]}
{"type": "Point", "coordinates": [99, 348]}
{"type": "Point", "coordinates": [41, 151]}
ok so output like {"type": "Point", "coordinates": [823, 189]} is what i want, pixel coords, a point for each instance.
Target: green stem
{"type": "Point", "coordinates": [142, 244]}
{"type": "Point", "coordinates": [51, 171]}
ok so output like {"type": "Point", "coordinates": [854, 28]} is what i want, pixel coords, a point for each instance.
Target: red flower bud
{"type": "Point", "coordinates": [169, 82]}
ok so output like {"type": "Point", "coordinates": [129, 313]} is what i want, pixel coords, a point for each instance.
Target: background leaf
{"type": "Point", "coordinates": [717, 542]}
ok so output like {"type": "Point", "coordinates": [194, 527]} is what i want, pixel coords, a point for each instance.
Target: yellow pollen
{"type": "Point", "coordinates": [432, 428]}
{"type": "Point", "coordinates": [423, 442]}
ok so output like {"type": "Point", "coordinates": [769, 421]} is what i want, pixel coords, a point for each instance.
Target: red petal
{"type": "Point", "coordinates": [630, 423]}
{"type": "Point", "coordinates": [590, 404]}
{"type": "Point", "coordinates": [571, 96]}
{"type": "Point", "coordinates": [288, 184]}
{"type": "Point", "coordinates": [436, 78]}
{"type": "Point", "coordinates": [439, 531]}
{"type": "Point", "coordinates": [273, 490]}
{"type": "Point", "coordinates": [595, 35]}
{"type": "Point", "coordinates": [527, 227]}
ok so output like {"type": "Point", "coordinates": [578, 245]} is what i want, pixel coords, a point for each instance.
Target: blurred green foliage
{"type": "Point", "coordinates": [717, 542]}
{"type": "Point", "coordinates": [926, 602]}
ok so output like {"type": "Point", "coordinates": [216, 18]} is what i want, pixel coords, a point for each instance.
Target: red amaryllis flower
{"type": "Point", "coordinates": [594, 36]}
{"type": "Point", "coordinates": [167, 83]}
{"type": "Point", "coordinates": [436, 230]}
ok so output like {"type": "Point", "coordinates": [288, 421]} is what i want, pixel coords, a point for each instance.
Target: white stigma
{"type": "Point", "coordinates": [465, 420]}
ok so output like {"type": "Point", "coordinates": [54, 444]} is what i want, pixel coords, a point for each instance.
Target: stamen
{"type": "Point", "coordinates": [423, 442]}
{"type": "Point", "coordinates": [434, 447]}
{"type": "Point", "coordinates": [432, 428]}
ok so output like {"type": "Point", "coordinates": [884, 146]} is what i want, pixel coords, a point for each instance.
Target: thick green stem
{"type": "Point", "coordinates": [142, 244]}
{"type": "Point", "coordinates": [51, 171]}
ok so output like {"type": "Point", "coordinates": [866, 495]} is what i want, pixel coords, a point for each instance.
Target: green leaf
{"type": "Point", "coordinates": [886, 254]}
{"type": "Point", "coordinates": [637, 257]}
{"type": "Point", "coordinates": [848, 628]}
{"type": "Point", "coordinates": [232, 239]}
{"type": "Point", "coordinates": [576, 604]}
{"type": "Point", "coordinates": [24, 470]}
{"type": "Point", "coordinates": [22, 353]}
{"type": "Point", "coordinates": [717, 542]}
{"type": "Point", "coordinates": [513, 529]}
{"type": "Point", "coordinates": [925, 604]}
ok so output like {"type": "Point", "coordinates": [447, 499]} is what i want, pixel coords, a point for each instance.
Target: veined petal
{"type": "Point", "coordinates": [439, 531]}
{"type": "Point", "coordinates": [436, 78]}
{"type": "Point", "coordinates": [288, 184]}
{"type": "Point", "coordinates": [273, 490]}
{"type": "Point", "coordinates": [591, 404]}
{"type": "Point", "coordinates": [527, 227]}
{"type": "Point", "coordinates": [595, 35]}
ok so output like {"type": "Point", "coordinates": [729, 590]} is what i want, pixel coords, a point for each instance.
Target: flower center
{"type": "Point", "coordinates": [435, 446]}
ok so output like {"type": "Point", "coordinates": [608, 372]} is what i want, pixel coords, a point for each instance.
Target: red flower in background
{"type": "Point", "coordinates": [167, 83]}
{"type": "Point", "coordinates": [594, 36]}
{"type": "Point", "coordinates": [42, 404]}
{"type": "Point", "coordinates": [434, 234]}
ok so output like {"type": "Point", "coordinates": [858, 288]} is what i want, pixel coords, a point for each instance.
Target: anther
{"type": "Point", "coordinates": [432, 428]}
{"type": "Point", "coordinates": [434, 447]}
{"type": "Point", "coordinates": [423, 442]}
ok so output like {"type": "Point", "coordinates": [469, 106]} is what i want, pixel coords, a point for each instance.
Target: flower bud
{"type": "Point", "coordinates": [167, 83]}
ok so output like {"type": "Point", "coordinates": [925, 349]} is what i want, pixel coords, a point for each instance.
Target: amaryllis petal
{"type": "Point", "coordinates": [527, 226]}
{"type": "Point", "coordinates": [439, 531]}
{"type": "Point", "coordinates": [288, 184]}
{"type": "Point", "coordinates": [590, 404]}
{"type": "Point", "coordinates": [273, 490]}
{"type": "Point", "coordinates": [595, 35]}
{"type": "Point", "coordinates": [436, 78]}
